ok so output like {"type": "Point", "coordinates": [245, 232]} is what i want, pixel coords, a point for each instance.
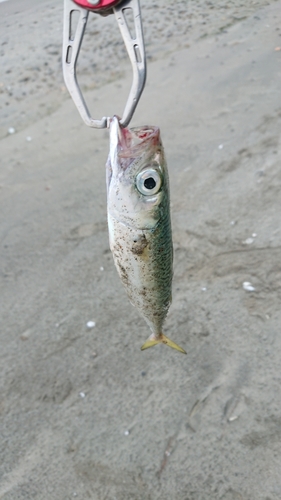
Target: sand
{"type": "Point", "coordinates": [84, 413]}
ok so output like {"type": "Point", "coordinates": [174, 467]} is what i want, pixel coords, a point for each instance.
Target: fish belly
{"type": "Point", "coordinates": [144, 260]}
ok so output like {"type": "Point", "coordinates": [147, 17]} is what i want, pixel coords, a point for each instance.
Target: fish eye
{"type": "Point", "coordinates": [148, 181]}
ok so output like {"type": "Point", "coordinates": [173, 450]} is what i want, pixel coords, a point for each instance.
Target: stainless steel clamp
{"type": "Point", "coordinates": [134, 43]}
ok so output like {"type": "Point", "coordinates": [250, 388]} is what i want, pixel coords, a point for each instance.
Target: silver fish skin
{"type": "Point", "coordinates": [140, 235]}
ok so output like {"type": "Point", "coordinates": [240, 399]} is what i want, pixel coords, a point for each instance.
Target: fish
{"type": "Point", "coordinates": [139, 223]}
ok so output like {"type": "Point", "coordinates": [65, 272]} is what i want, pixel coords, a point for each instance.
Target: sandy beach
{"type": "Point", "coordinates": [83, 412]}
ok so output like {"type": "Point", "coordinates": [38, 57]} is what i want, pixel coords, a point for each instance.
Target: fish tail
{"type": "Point", "coordinates": [161, 339]}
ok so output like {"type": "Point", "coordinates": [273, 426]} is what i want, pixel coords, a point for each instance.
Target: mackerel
{"type": "Point", "coordinates": [140, 235]}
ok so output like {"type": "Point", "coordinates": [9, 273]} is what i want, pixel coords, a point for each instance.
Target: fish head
{"type": "Point", "coordinates": [137, 176]}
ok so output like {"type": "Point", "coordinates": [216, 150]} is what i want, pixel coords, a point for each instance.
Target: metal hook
{"type": "Point", "coordinates": [135, 47]}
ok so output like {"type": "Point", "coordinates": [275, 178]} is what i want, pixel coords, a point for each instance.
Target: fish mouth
{"type": "Point", "coordinates": [128, 144]}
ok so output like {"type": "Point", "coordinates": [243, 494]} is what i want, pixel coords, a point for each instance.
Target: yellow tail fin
{"type": "Point", "coordinates": [162, 339]}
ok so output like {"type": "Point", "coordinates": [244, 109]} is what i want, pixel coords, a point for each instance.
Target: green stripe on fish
{"type": "Point", "coordinates": [140, 235]}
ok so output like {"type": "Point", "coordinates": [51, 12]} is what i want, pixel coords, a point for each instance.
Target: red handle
{"type": "Point", "coordinates": [98, 5]}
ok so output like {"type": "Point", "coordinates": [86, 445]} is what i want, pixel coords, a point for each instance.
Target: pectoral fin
{"type": "Point", "coordinates": [162, 339]}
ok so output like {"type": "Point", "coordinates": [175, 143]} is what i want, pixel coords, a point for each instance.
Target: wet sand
{"type": "Point", "coordinates": [84, 413]}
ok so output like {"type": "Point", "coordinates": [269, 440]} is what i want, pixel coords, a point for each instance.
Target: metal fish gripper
{"type": "Point", "coordinates": [72, 41]}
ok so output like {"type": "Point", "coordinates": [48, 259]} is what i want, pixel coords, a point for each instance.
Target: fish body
{"type": "Point", "coordinates": [140, 234]}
